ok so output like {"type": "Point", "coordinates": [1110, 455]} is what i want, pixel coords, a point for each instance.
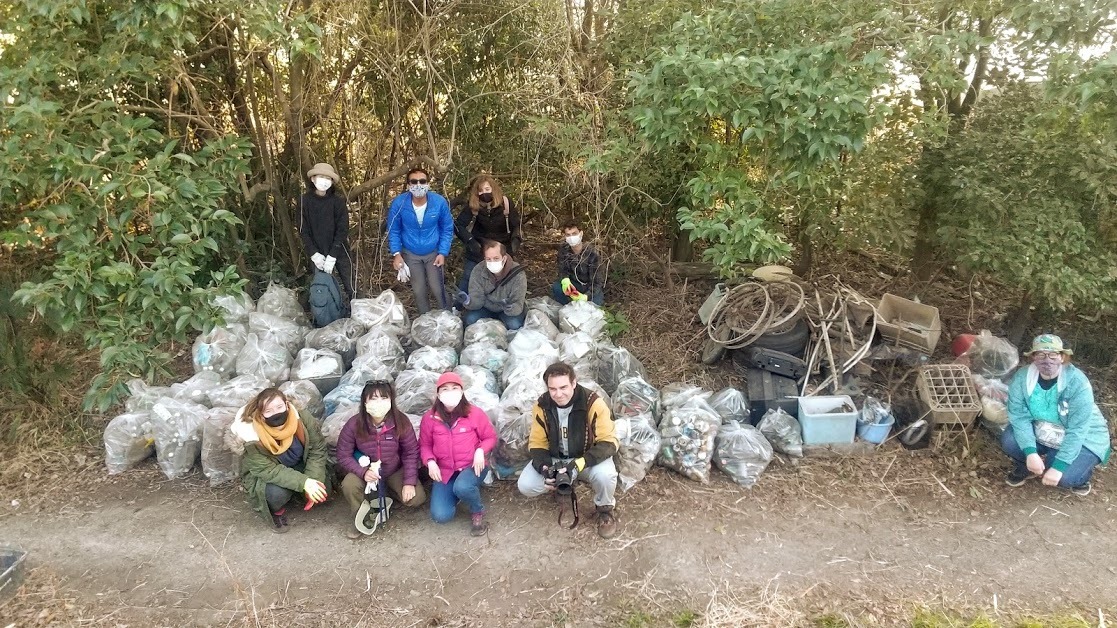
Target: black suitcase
{"type": "Point", "coordinates": [768, 390]}
{"type": "Point", "coordinates": [772, 361]}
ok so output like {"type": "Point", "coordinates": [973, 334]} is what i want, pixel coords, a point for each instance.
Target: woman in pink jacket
{"type": "Point", "coordinates": [455, 440]}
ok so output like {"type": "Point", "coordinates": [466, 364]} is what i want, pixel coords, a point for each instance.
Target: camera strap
{"type": "Point", "coordinates": [573, 509]}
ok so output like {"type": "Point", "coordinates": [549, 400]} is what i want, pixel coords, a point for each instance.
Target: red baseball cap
{"type": "Point", "coordinates": [449, 377]}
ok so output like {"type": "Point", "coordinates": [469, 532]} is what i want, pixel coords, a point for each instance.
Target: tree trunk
{"type": "Point", "coordinates": [682, 249]}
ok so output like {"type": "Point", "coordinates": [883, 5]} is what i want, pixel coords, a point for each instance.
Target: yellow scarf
{"type": "Point", "coordinates": [278, 439]}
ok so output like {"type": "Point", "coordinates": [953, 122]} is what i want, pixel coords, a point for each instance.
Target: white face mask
{"type": "Point", "coordinates": [450, 398]}
{"type": "Point", "coordinates": [574, 240]}
{"type": "Point", "coordinates": [323, 183]}
{"type": "Point", "coordinates": [419, 189]}
{"type": "Point", "coordinates": [495, 267]}
{"type": "Point", "coordinates": [378, 407]}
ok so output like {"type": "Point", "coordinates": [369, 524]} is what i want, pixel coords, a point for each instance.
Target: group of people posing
{"type": "Point", "coordinates": [420, 230]}
{"type": "Point", "coordinates": [381, 461]}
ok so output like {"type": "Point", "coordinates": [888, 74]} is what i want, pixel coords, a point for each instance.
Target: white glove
{"type": "Point", "coordinates": [403, 275]}
{"type": "Point", "coordinates": [319, 260]}
{"type": "Point", "coordinates": [328, 265]}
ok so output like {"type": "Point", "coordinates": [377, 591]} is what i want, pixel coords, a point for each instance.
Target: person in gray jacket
{"type": "Point", "coordinates": [497, 290]}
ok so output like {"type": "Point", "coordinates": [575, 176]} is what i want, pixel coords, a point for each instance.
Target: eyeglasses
{"type": "Point", "coordinates": [416, 181]}
{"type": "Point", "coordinates": [1047, 355]}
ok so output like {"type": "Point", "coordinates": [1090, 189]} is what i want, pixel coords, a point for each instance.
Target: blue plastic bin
{"type": "Point", "coordinates": [875, 432]}
{"type": "Point", "coordinates": [828, 419]}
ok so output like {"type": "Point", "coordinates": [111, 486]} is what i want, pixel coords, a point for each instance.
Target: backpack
{"type": "Point", "coordinates": [325, 299]}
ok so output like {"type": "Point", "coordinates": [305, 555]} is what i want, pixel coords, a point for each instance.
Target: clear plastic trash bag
{"type": "Point", "coordinates": [219, 463]}
{"type": "Point", "coordinates": [197, 388]}
{"type": "Point", "coordinates": [513, 425]}
{"type": "Point", "coordinates": [488, 401]}
{"type": "Point", "coordinates": [316, 363]}
{"type": "Point", "coordinates": [688, 432]}
{"type": "Point", "coordinates": [335, 422]}
{"type": "Point", "coordinates": [616, 363]}
{"type": "Point", "coordinates": [142, 397]}
{"type": "Point", "coordinates": [487, 330]}
{"type": "Point", "coordinates": [579, 350]}
{"type": "Point", "coordinates": [437, 328]}
{"type": "Point", "coordinates": [636, 397]}
{"type": "Point", "coordinates": [385, 311]}
{"type": "Point", "coordinates": [415, 391]}
{"type": "Point", "coordinates": [235, 308]}
{"type": "Point", "coordinates": [305, 396]}
{"type": "Point", "coordinates": [384, 346]}
{"type": "Point", "coordinates": [217, 350]}
{"type": "Point", "coordinates": [742, 452]}
{"type": "Point", "coordinates": [478, 377]}
{"type": "Point", "coordinates": [366, 369]}
{"type": "Point", "coordinates": [992, 357]}
{"type": "Point", "coordinates": [582, 316]}
{"type": "Point", "coordinates": [129, 440]}
{"type": "Point", "coordinates": [238, 391]}
{"type": "Point", "coordinates": [547, 306]}
{"type": "Point", "coordinates": [640, 443]}
{"type": "Point", "coordinates": [433, 359]}
{"type": "Point", "coordinates": [783, 432]}
{"type": "Point", "coordinates": [486, 356]}
{"type": "Point", "coordinates": [282, 303]}
{"type": "Point", "coordinates": [340, 396]}
{"type": "Point", "coordinates": [528, 343]}
{"type": "Point", "coordinates": [340, 336]}
{"type": "Point", "coordinates": [528, 368]}
{"type": "Point", "coordinates": [540, 321]}
{"type": "Point", "coordinates": [177, 428]}
{"type": "Point", "coordinates": [731, 405]}
{"type": "Point", "coordinates": [287, 333]}
{"type": "Point", "coordinates": [265, 359]}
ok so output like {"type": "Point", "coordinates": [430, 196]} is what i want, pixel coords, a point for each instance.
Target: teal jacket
{"type": "Point", "coordinates": [1080, 417]}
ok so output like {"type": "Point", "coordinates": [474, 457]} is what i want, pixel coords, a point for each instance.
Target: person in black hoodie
{"type": "Point", "coordinates": [485, 214]}
{"type": "Point", "coordinates": [325, 226]}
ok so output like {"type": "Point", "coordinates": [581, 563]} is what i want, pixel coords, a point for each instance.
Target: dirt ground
{"type": "Point", "coordinates": [867, 537]}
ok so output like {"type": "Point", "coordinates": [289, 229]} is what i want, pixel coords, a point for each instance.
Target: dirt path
{"type": "Point", "coordinates": [856, 534]}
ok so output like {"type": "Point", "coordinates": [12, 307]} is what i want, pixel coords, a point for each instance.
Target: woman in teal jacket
{"type": "Point", "coordinates": [1056, 431]}
{"type": "Point", "coordinates": [420, 230]}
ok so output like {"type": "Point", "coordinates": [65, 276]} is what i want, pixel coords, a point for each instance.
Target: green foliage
{"type": "Point", "coordinates": [134, 223]}
{"type": "Point", "coordinates": [616, 323]}
{"type": "Point", "coordinates": [685, 619]}
{"type": "Point", "coordinates": [1035, 188]}
{"type": "Point", "coordinates": [766, 113]}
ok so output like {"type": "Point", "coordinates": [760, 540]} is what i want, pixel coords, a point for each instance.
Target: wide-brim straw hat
{"type": "Point", "coordinates": [323, 170]}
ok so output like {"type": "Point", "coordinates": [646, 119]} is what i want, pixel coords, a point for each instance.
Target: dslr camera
{"type": "Point", "coordinates": [563, 477]}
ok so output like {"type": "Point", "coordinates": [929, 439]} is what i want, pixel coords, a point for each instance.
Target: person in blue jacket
{"type": "Point", "coordinates": [420, 229]}
{"type": "Point", "coordinates": [1056, 431]}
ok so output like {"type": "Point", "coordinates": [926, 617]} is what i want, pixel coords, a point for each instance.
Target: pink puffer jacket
{"type": "Point", "coordinates": [452, 447]}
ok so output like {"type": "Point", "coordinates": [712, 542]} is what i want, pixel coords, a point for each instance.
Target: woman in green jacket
{"type": "Point", "coordinates": [284, 454]}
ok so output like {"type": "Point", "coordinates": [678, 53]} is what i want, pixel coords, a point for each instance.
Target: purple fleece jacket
{"type": "Point", "coordinates": [383, 445]}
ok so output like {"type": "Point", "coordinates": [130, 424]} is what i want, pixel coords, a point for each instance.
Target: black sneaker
{"type": "Point", "coordinates": [279, 523]}
{"type": "Point", "coordinates": [1018, 476]}
{"type": "Point", "coordinates": [1083, 490]}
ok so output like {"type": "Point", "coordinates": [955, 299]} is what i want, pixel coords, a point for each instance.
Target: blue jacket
{"type": "Point", "coordinates": [1080, 417]}
{"type": "Point", "coordinates": [404, 231]}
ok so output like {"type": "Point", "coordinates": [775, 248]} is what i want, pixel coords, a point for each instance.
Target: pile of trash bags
{"type": "Point", "coordinates": [323, 372]}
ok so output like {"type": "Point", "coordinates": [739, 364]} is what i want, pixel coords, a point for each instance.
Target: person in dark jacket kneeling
{"type": "Point", "coordinates": [378, 448]}
{"type": "Point", "coordinates": [497, 290]}
{"type": "Point", "coordinates": [284, 454]}
{"type": "Point", "coordinates": [572, 432]}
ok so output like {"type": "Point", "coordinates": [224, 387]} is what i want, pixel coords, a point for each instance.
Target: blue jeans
{"type": "Point", "coordinates": [510, 322]}
{"type": "Point", "coordinates": [1077, 474]}
{"type": "Point", "coordinates": [556, 292]}
{"type": "Point", "coordinates": [463, 285]}
{"type": "Point", "coordinates": [463, 486]}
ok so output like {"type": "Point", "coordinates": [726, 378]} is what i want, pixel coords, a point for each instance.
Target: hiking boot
{"type": "Point", "coordinates": [606, 522]}
{"type": "Point", "coordinates": [478, 525]}
{"type": "Point", "coordinates": [1018, 476]}
{"type": "Point", "coordinates": [279, 522]}
{"type": "Point", "coordinates": [1083, 490]}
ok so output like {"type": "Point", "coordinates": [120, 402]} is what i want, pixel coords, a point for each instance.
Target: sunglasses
{"type": "Point", "coordinates": [380, 382]}
{"type": "Point", "coordinates": [416, 181]}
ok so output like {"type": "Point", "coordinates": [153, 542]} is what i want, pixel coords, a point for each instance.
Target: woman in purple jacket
{"type": "Point", "coordinates": [381, 436]}
{"type": "Point", "coordinates": [455, 440]}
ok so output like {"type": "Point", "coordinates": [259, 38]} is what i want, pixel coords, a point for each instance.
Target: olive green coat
{"type": "Point", "coordinates": [258, 468]}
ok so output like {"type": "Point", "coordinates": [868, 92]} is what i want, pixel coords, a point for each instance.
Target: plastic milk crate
{"type": "Point", "coordinates": [908, 323]}
{"type": "Point", "coordinates": [827, 419]}
{"type": "Point", "coordinates": [949, 393]}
